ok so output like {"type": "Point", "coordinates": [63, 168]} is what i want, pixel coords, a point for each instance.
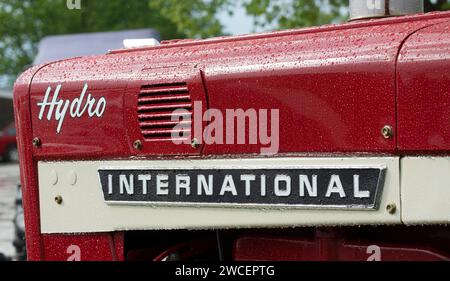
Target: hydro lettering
{"type": "Point", "coordinates": [58, 108]}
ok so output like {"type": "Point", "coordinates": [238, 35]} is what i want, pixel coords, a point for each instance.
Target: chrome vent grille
{"type": "Point", "coordinates": [157, 106]}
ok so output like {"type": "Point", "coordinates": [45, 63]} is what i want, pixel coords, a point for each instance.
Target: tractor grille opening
{"type": "Point", "coordinates": [163, 110]}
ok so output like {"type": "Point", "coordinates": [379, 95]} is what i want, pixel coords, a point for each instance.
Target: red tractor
{"type": "Point", "coordinates": [324, 143]}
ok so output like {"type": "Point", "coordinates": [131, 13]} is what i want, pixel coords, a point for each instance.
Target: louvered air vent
{"type": "Point", "coordinates": [157, 107]}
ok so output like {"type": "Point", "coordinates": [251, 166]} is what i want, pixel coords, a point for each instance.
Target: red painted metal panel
{"type": "Point", "coordinates": [424, 91]}
{"type": "Point", "coordinates": [91, 247]}
{"type": "Point", "coordinates": [335, 89]}
{"type": "Point", "coordinates": [83, 136]}
{"type": "Point", "coordinates": [112, 135]}
{"type": "Point", "coordinates": [254, 248]}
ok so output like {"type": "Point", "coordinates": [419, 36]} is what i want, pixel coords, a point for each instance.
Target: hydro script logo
{"type": "Point", "coordinates": [57, 109]}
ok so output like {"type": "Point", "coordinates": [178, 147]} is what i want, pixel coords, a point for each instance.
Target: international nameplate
{"type": "Point", "coordinates": [335, 187]}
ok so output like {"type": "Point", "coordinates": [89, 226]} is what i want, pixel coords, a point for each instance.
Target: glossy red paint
{"type": "Point", "coordinates": [268, 248]}
{"type": "Point", "coordinates": [423, 91]}
{"type": "Point", "coordinates": [336, 86]}
{"type": "Point", "coordinates": [93, 247]}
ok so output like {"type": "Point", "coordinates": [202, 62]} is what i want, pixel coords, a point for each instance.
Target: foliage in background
{"type": "Point", "coordinates": [296, 13]}
{"type": "Point", "coordinates": [23, 23]}
{"type": "Point", "coordinates": [437, 5]}
{"type": "Point", "coordinates": [193, 18]}
{"type": "Point", "coordinates": [299, 13]}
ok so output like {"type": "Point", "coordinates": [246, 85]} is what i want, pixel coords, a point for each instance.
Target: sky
{"type": "Point", "coordinates": [239, 23]}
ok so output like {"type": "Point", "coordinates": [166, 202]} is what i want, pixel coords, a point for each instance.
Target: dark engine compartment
{"type": "Point", "coordinates": [365, 243]}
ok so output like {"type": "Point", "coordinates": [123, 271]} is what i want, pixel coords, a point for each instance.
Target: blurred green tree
{"type": "Point", "coordinates": [193, 18]}
{"type": "Point", "coordinates": [298, 13]}
{"type": "Point", "coordinates": [437, 5]}
{"type": "Point", "coordinates": [23, 23]}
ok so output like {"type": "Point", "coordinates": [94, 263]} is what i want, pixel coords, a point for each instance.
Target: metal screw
{"type": "Point", "coordinates": [37, 142]}
{"type": "Point", "coordinates": [137, 145]}
{"type": "Point", "coordinates": [391, 208]}
{"type": "Point", "coordinates": [58, 199]}
{"type": "Point", "coordinates": [195, 143]}
{"type": "Point", "coordinates": [387, 132]}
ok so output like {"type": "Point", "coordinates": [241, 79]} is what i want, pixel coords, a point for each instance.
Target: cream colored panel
{"type": "Point", "coordinates": [83, 208]}
{"type": "Point", "coordinates": [425, 190]}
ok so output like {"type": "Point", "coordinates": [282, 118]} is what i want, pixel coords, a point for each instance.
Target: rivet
{"type": "Point", "coordinates": [72, 178]}
{"type": "Point", "coordinates": [391, 208]}
{"type": "Point", "coordinates": [137, 145]}
{"type": "Point", "coordinates": [195, 143]}
{"type": "Point", "coordinates": [37, 142]}
{"type": "Point", "coordinates": [387, 132]}
{"type": "Point", "coordinates": [58, 199]}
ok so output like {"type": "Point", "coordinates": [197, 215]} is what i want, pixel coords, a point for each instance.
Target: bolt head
{"type": "Point", "coordinates": [138, 145]}
{"type": "Point", "coordinates": [195, 143]}
{"type": "Point", "coordinates": [58, 199]}
{"type": "Point", "coordinates": [387, 132]}
{"type": "Point", "coordinates": [391, 208]}
{"type": "Point", "coordinates": [37, 142]}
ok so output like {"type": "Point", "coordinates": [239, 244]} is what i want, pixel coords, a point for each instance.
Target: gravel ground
{"type": "Point", "coordinates": [9, 178]}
